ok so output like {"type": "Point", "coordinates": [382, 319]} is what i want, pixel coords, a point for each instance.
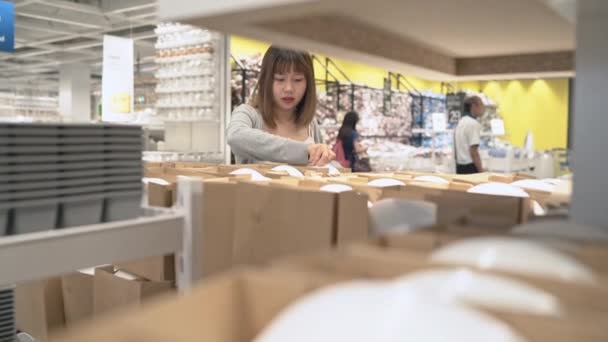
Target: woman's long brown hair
{"type": "Point", "coordinates": [277, 61]}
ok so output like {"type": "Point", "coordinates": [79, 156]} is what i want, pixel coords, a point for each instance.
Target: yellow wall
{"type": "Point", "coordinates": [540, 106]}
{"type": "Point", "coordinates": [356, 72]}
{"type": "Point", "coordinates": [537, 105]}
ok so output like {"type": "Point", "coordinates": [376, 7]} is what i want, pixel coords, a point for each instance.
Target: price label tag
{"type": "Point", "coordinates": [497, 126]}
{"type": "Point", "coordinates": [440, 122]}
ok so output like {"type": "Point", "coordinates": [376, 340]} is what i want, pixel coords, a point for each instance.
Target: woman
{"type": "Point", "coordinates": [279, 124]}
{"type": "Point", "coordinates": [348, 136]}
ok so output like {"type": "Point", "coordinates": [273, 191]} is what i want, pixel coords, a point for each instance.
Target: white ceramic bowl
{"type": "Point", "coordinates": [292, 171]}
{"type": "Point", "coordinates": [333, 171]}
{"type": "Point", "coordinates": [365, 311]}
{"type": "Point", "coordinates": [562, 229]}
{"type": "Point", "coordinates": [255, 175]}
{"type": "Point", "coordinates": [160, 181]}
{"type": "Point", "coordinates": [514, 255]}
{"type": "Point", "coordinates": [466, 286]}
{"type": "Point", "coordinates": [398, 215]}
{"type": "Point", "coordinates": [385, 182]}
{"type": "Point", "coordinates": [337, 188]}
{"type": "Point", "coordinates": [553, 181]}
{"type": "Point", "coordinates": [499, 189]}
{"type": "Point", "coordinates": [431, 179]}
{"type": "Point", "coordinates": [534, 184]}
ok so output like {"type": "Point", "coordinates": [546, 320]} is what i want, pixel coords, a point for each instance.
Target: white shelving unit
{"type": "Point", "coordinates": [163, 231]}
{"type": "Point", "coordinates": [192, 91]}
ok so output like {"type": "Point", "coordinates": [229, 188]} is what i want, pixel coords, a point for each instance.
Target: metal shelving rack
{"type": "Point", "coordinates": [162, 231]}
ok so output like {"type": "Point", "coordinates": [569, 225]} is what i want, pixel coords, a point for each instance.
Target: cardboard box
{"type": "Point", "coordinates": [113, 289]}
{"type": "Point", "coordinates": [275, 220]}
{"type": "Point", "coordinates": [161, 268]}
{"type": "Point", "coordinates": [161, 195]}
{"type": "Point", "coordinates": [253, 223]}
{"type": "Point", "coordinates": [476, 209]}
{"type": "Point", "coordinates": [39, 307]}
{"type": "Point", "coordinates": [237, 306]}
{"type": "Point", "coordinates": [216, 233]}
{"type": "Point", "coordinates": [77, 290]}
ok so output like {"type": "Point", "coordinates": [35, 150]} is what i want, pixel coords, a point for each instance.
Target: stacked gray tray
{"type": "Point", "coordinates": [64, 175]}
{"type": "Point", "coordinates": [7, 315]}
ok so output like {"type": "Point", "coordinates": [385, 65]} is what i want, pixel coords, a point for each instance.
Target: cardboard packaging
{"type": "Point", "coordinates": [113, 289]}
{"type": "Point", "coordinates": [160, 268]}
{"type": "Point", "coordinates": [237, 306]}
{"type": "Point", "coordinates": [161, 195]}
{"type": "Point", "coordinates": [476, 209]}
{"type": "Point", "coordinates": [39, 307]}
{"type": "Point", "coordinates": [77, 290]}
{"type": "Point", "coordinates": [273, 221]}
{"type": "Point", "coordinates": [251, 223]}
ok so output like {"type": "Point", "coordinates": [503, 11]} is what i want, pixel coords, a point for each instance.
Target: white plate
{"type": "Point", "coordinates": [385, 182]}
{"type": "Point", "coordinates": [553, 181]}
{"type": "Point", "coordinates": [514, 255]}
{"type": "Point", "coordinates": [255, 175]}
{"type": "Point", "coordinates": [365, 311]}
{"type": "Point", "coordinates": [534, 184]}
{"type": "Point", "coordinates": [431, 179]}
{"type": "Point", "coordinates": [498, 189]}
{"type": "Point", "coordinates": [292, 171]}
{"type": "Point", "coordinates": [336, 188]}
{"type": "Point", "coordinates": [466, 286]}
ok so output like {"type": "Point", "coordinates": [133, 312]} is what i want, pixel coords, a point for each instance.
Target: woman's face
{"type": "Point", "coordinates": [288, 89]}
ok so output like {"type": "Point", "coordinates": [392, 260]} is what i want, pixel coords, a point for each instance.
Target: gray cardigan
{"type": "Point", "coordinates": [251, 144]}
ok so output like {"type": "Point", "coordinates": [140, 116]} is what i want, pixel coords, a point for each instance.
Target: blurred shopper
{"type": "Point", "coordinates": [349, 151]}
{"type": "Point", "coordinates": [467, 137]}
{"type": "Point", "coordinates": [279, 125]}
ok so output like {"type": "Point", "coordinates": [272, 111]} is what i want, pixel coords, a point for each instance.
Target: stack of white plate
{"type": "Point", "coordinates": [7, 315]}
{"type": "Point", "coordinates": [64, 175]}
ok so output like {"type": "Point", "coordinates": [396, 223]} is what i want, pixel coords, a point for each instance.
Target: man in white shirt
{"type": "Point", "coordinates": [466, 137]}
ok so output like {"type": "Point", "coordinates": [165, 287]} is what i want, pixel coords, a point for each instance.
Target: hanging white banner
{"type": "Point", "coordinates": [117, 79]}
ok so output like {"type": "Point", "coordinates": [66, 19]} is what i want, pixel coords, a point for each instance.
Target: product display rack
{"type": "Point", "coordinates": [159, 232]}
{"type": "Point", "coordinates": [29, 106]}
{"type": "Point", "coordinates": [192, 91]}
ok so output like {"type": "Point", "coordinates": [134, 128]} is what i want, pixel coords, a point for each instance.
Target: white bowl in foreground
{"type": "Point", "coordinates": [486, 290]}
{"type": "Point", "coordinates": [499, 189]}
{"type": "Point", "coordinates": [366, 311]}
{"type": "Point", "coordinates": [514, 255]}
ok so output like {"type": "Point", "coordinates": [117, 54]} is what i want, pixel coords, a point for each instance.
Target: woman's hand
{"type": "Point", "coordinates": [360, 148]}
{"type": "Point", "coordinates": [320, 155]}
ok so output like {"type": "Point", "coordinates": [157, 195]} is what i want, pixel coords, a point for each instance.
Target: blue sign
{"type": "Point", "coordinates": [7, 26]}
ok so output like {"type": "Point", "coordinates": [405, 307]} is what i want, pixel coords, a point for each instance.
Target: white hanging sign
{"type": "Point", "coordinates": [440, 122]}
{"type": "Point", "coordinates": [117, 79]}
{"type": "Point", "coordinates": [497, 126]}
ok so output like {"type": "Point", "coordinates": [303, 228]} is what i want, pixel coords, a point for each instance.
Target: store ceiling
{"type": "Point", "coordinates": [437, 39]}
{"type": "Point", "coordinates": [466, 28]}
{"type": "Point", "coordinates": [49, 33]}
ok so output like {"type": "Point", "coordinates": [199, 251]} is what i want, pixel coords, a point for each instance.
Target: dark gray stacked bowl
{"type": "Point", "coordinates": [64, 175]}
{"type": "Point", "coordinates": [7, 315]}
